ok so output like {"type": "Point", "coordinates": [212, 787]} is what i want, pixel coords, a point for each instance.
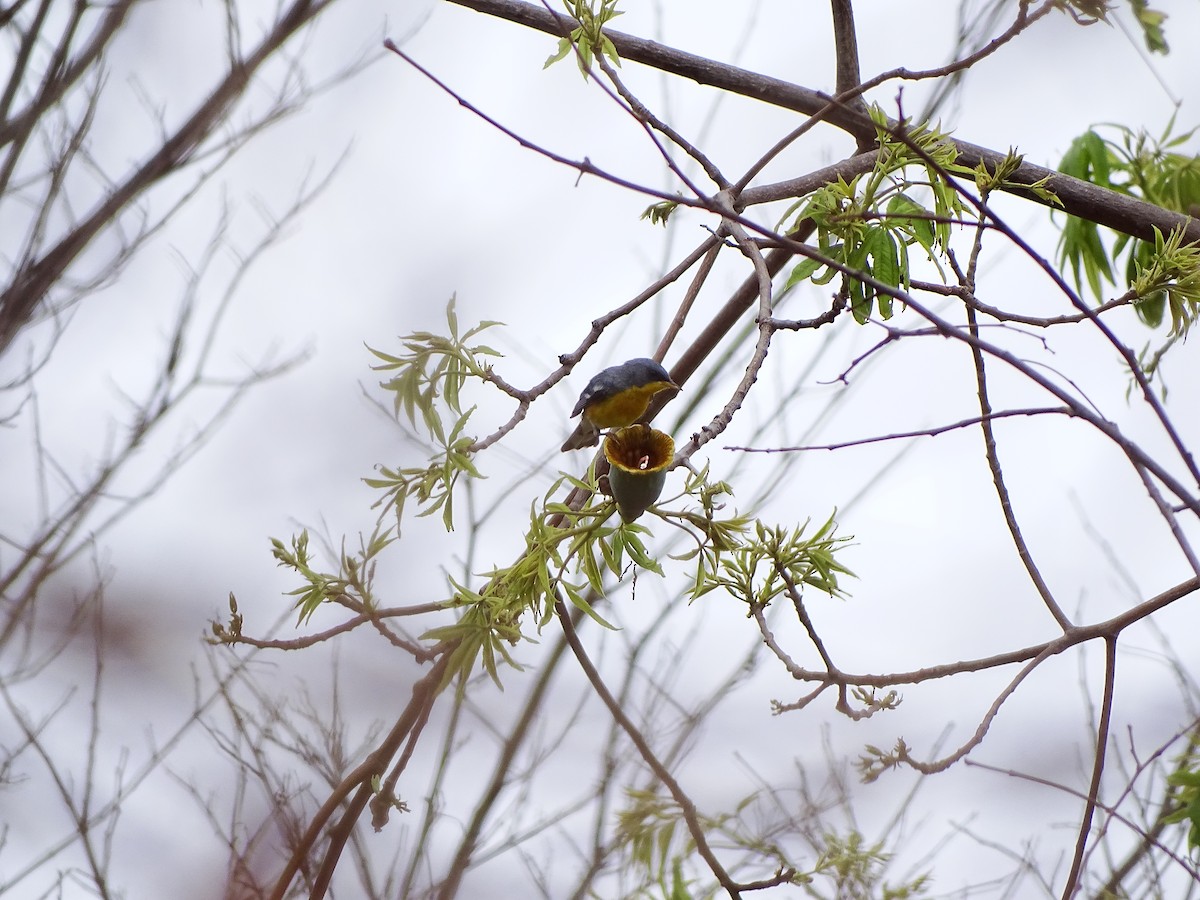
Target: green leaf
{"type": "Point", "coordinates": [1097, 157]}
{"type": "Point", "coordinates": [659, 213]}
{"type": "Point", "coordinates": [881, 248]}
{"type": "Point", "coordinates": [1151, 22]}
{"type": "Point", "coordinates": [860, 301]}
{"type": "Point", "coordinates": [834, 252]}
{"type": "Point", "coordinates": [920, 226]}
{"type": "Point", "coordinates": [578, 601]}
{"type": "Point", "coordinates": [609, 49]}
{"type": "Point", "coordinates": [612, 545]}
{"type": "Point", "coordinates": [802, 271]}
{"type": "Point", "coordinates": [637, 551]}
{"type": "Point", "coordinates": [591, 564]}
{"type": "Point", "coordinates": [564, 47]}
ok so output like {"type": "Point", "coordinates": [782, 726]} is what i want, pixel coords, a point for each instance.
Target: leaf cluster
{"type": "Point", "coordinates": [429, 380]}
{"type": "Point", "coordinates": [875, 761]}
{"type": "Point", "coordinates": [1151, 22]}
{"type": "Point", "coordinates": [776, 561]}
{"type": "Point", "coordinates": [651, 827]}
{"type": "Point", "coordinates": [492, 615]}
{"type": "Point", "coordinates": [354, 579]}
{"type": "Point", "coordinates": [659, 213]}
{"type": "Point", "coordinates": [1151, 168]}
{"type": "Point", "coordinates": [716, 534]}
{"type": "Point", "coordinates": [573, 552]}
{"type": "Point", "coordinates": [587, 39]}
{"type": "Point", "coordinates": [867, 225]}
{"type": "Point", "coordinates": [1168, 279]}
{"type": "Point", "coordinates": [1003, 178]}
{"type": "Point", "coordinates": [1185, 783]}
{"type": "Point", "coordinates": [856, 870]}
{"type": "Point", "coordinates": [1188, 792]}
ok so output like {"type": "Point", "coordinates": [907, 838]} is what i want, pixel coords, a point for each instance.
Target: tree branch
{"type": "Point", "coordinates": [1078, 198]}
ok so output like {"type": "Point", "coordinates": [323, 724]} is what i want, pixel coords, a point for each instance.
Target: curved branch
{"type": "Point", "coordinates": [1077, 635]}
{"type": "Point", "coordinates": [998, 479]}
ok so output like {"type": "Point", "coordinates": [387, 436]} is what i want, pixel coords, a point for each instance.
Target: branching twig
{"type": "Point", "coordinates": [359, 781]}
{"type": "Point", "coordinates": [1079, 198]}
{"type": "Point", "coordinates": [686, 806]}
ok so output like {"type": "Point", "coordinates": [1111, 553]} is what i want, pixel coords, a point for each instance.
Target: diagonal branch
{"type": "Point", "coordinates": [1077, 197]}
{"type": "Point", "coordinates": [30, 285]}
{"type": "Point", "coordinates": [686, 806]}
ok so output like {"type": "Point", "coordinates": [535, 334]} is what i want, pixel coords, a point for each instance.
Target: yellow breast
{"type": "Point", "coordinates": [625, 407]}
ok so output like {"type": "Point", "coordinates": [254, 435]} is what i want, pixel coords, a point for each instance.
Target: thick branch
{"type": "Point", "coordinates": [846, 41]}
{"type": "Point", "coordinates": [1079, 198]}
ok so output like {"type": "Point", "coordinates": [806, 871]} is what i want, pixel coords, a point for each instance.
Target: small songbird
{"type": "Point", "coordinates": [616, 397]}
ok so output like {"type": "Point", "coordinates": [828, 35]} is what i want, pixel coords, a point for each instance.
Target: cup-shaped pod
{"type": "Point", "coordinates": [638, 457]}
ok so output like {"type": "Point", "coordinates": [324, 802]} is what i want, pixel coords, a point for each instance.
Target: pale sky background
{"type": "Point", "coordinates": [430, 202]}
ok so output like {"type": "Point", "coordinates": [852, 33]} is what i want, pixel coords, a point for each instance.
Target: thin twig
{"type": "Point", "coordinates": [686, 806]}
{"type": "Point", "coordinates": [1089, 810]}
{"type": "Point", "coordinates": [904, 435]}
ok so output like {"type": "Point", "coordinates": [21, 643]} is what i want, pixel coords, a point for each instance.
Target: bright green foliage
{"type": "Point", "coordinates": [660, 213]}
{"type": "Point", "coordinates": [353, 580]}
{"type": "Point", "coordinates": [1188, 784]}
{"type": "Point", "coordinates": [588, 38]}
{"type": "Point", "coordinates": [431, 485]}
{"type": "Point", "coordinates": [717, 535]}
{"type": "Point", "coordinates": [652, 828]}
{"type": "Point", "coordinates": [490, 622]}
{"type": "Point", "coordinates": [866, 226]}
{"type": "Point", "coordinates": [429, 381]}
{"type": "Point", "coordinates": [856, 871]}
{"type": "Point", "coordinates": [1139, 165]}
{"type": "Point", "coordinates": [575, 554]}
{"type": "Point", "coordinates": [1151, 22]}
{"type": "Point", "coordinates": [435, 367]}
{"type": "Point", "coordinates": [1002, 177]}
{"type": "Point", "coordinates": [1185, 781]}
{"type": "Point", "coordinates": [573, 551]}
{"type": "Point", "coordinates": [1168, 277]}
{"type": "Point", "coordinates": [492, 616]}
{"type": "Point", "coordinates": [778, 560]}
{"type": "Point", "coordinates": [1086, 10]}
{"type": "Point", "coordinates": [1080, 245]}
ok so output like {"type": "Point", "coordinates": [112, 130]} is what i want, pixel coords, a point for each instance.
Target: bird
{"type": "Point", "coordinates": [615, 397]}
